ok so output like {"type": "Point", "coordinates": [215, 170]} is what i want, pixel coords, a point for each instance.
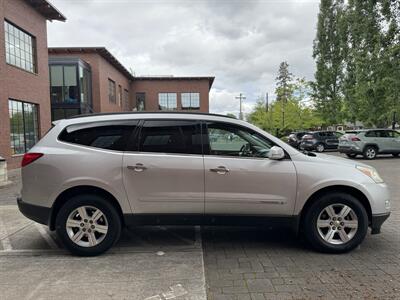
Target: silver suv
{"type": "Point", "coordinates": [370, 143]}
{"type": "Point", "coordinates": [92, 175]}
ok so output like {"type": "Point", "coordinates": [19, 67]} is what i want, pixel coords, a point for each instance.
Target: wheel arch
{"type": "Point", "coordinates": [371, 145]}
{"type": "Point", "coordinates": [79, 190]}
{"type": "Point", "coordinates": [341, 189]}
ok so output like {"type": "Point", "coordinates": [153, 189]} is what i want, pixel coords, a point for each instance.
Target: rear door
{"type": "Point", "coordinates": [163, 170]}
{"type": "Point", "coordinates": [331, 140]}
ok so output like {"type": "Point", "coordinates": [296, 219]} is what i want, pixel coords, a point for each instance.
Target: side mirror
{"type": "Point", "coordinates": [276, 153]}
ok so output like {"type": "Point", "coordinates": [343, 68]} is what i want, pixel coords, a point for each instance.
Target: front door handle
{"type": "Point", "coordinates": [220, 170]}
{"type": "Point", "coordinates": [137, 168]}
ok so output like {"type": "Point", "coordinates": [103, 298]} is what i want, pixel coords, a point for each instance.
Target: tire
{"type": "Point", "coordinates": [370, 152]}
{"type": "Point", "coordinates": [320, 148]}
{"type": "Point", "coordinates": [90, 242]}
{"type": "Point", "coordinates": [395, 154]}
{"type": "Point", "coordinates": [351, 155]}
{"type": "Point", "coordinates": [318, 237]}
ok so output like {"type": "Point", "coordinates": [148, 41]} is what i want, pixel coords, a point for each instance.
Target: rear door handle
{"type": "Point", "coordinates": [220, 170]}
{"type": "Point", "coordinates": [137, 168]}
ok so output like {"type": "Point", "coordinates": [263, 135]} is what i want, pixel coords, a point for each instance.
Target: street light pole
{"type": "Point", "coordinates": [240, 97]}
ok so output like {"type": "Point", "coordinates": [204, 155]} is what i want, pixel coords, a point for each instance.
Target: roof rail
{"type": "Point", "coordinates": [146, 112]}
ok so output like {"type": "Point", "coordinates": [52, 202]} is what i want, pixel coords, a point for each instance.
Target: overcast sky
{"type": "Point", "coordinates": [240, 42]}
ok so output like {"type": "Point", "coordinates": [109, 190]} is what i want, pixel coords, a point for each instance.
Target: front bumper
{"type": "Point", "coordinates": [36, 213]}
{"type": "Point", "coordinates": [349, 150]}
{"type": "Point", "coordinates": [377, 221]}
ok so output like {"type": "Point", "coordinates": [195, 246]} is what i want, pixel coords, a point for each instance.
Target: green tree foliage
{"type": "Point", "coordinates": [357, 53]}
{"type": "Point", "coordinates": [283, 83]}
{"type": "Point", "coordinates": [328, 54]}
{"type": "Point", "coordinates": [297, 116]}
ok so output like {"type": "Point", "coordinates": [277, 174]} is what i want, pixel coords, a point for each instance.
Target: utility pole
{"type": "Point", "coordinates": [266, 102]}
{"type": "Point", "coordinates": [240, 97]}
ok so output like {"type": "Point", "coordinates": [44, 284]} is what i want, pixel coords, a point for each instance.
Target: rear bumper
{"type": "Point", "coordinates": [39, 214]}
{"type": "Point", "coordinates": [377, 221]}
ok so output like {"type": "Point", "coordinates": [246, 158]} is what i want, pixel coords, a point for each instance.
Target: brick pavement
{"type": "Point", "coordinates": [257, 264]}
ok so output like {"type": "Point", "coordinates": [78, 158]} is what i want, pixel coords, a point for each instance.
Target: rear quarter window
{"type": "Point", "coordinates": [103, 135]}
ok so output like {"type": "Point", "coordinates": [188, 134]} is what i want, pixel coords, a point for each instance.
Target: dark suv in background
{"type": "Point", "coordinates": [294, 139]}
{"type": "Point", "coordinates": [320, 140]}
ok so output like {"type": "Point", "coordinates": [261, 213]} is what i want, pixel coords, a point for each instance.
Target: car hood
{"type": "Point", "coordinates": [335, 160]}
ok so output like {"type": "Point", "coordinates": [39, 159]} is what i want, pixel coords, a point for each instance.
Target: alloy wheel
{"type": "Point", "coordinates": [337, 224]}
{"type": "Point", "coordinates": [370, 153]}
{"type": "Point", "coordinates": [87, 226]}
{"type": "Point", "coordinates": [320, 148]}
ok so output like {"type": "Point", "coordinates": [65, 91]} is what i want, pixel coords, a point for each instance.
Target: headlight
{"type": "Point", "coordinates": [371, 172]}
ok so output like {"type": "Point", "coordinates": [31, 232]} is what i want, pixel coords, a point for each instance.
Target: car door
{"type": "Point", "coordinates": [332, 140]}
{"type": "Point", "coordinates": [395, 141]}
{"type": "Point", "coordinates": [163, 171]}
{"type": "Point", "coordinates": [240, 179]}
{"type": "Point", "coordinates": [384, 140]}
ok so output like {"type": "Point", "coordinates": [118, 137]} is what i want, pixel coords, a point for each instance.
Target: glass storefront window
{"type": "Point", "coordinates": [24, 130]}
{"type": "Point", "coordinates": [63, 84]}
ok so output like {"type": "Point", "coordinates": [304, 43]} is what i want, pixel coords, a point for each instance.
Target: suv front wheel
{"type": "Point", "coordinates": [335, 223]}
{"type": "Point", "coordinates": [88, 225]}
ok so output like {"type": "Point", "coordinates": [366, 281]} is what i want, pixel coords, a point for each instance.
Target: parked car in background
{"type": "Point", "coordinates": [294, 139]}
{"type": "Point", "coordinates": [370, 143]}
{"type": "Point", "coordinates": [320, 140]}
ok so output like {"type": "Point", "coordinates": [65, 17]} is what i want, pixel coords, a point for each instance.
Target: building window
{"type": "Point", "coordinates": [64, 84]}
{"type": "Point", "coordinates": [20, 48]}
{"type": "Point", "coordinates": [126, 99]}
{"type": "Point", "coordinates": [111, 91]}
{"type": "Point", "coordinates": [140, 101]}
{"type": "Point", "coordinates": [24, 132]}
{"type": "Point", "coordinates": [167, 101]}
{"type": "Point", "coordinates": [190, 100]}
{"type": "Point", "coordinates": [120, 95]}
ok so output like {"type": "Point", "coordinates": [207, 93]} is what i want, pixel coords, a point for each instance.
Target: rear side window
{"type": "Point", "coordinates": [104, 135]}
{"type": "Point", "coordinates": [171, 136]}
{"type": "Point", "coordinates": [371, 134]}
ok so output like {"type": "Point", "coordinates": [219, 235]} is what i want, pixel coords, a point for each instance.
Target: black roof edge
{"type": "Point", "coordinates": [147, 113]}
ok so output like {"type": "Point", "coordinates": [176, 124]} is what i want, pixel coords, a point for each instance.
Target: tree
{"type": "Point", "coordinates": [297, 116]}
{"type": "Point", "coordinates": [283, 83]}
{"type": "Point", "coordinates": [328, 54]}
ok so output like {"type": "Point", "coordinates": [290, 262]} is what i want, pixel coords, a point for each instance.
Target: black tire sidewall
{"type": "Point", "coordinates": [113, 219]}
{"type": "Point", "coordinates": [315, 209]}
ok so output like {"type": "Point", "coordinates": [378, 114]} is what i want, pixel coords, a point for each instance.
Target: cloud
{"type": "Point", "coordinates": [239, 42]}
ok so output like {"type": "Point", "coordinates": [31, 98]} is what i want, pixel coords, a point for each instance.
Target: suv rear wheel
{"type": "Point", "coordinates": [320, 148]}
{"type": "Point", "coordinates": [88, 225]}
{"type": "Point", "coordinates": [370, 152]}
{"type": "Point", "coordinates": [336, 223]}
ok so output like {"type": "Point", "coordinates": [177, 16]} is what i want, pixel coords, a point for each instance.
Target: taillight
{"type": "Point", "coordinates": [355, 139]}
{"type": "Point", "coordinates": [30, 158]}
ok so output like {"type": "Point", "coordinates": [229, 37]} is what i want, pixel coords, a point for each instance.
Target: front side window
{"type": "Point", "coordinates": [24, 132]}
{"type": "Point", "coordinates": [167, 101]}
{"type": "Point", "coordinates": [111, 91]}
{"type": "Point", "coordinates": [104, 135]}
{"type": "Point", "coordinates": [230, 140]}
{"type": "Point", "coordinates": [190, 100]}
{"type": "Point", "coordinates": [167, 136]}
{"type": "Point", "coordinates": [20, 48]}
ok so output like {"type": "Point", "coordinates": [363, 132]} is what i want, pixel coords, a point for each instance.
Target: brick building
{"type": "Point", "coordinates": [24, 75]}
{"type": "Point", "coordinates": [110, 87]}
{"type": "Point", "coordinates": [80, 80]}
